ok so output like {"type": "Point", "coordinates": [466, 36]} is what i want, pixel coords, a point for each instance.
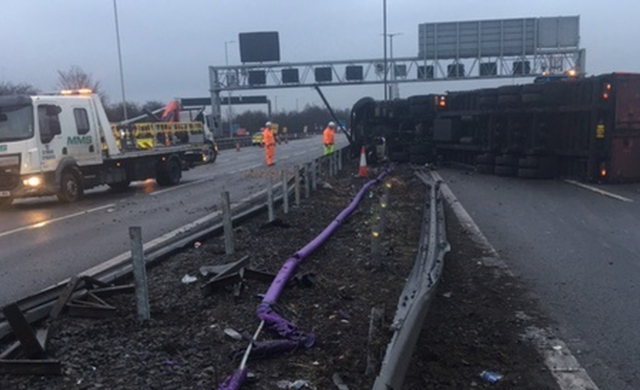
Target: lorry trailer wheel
{"type": "Point", "coordinates": [485, 169]}
{"type": "Point", "coordinates": [487, 159]}
{"type": "Point", "coordinates": [502, 170]}
{"type": "Point", "coordinates": [70, 186]}
{"type": "Point", "coordinates": [507, 159]}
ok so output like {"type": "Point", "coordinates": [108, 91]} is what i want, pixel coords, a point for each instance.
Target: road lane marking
{"type": "Point", "coordinates": [599, 191]}
{"type": "Point", "coordinates": [50, 221]}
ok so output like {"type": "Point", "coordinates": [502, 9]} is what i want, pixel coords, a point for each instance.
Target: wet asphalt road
{"type": "Point", "coordinates": [579, 253]}
{"type": "Point", "coordinates": [43, 241]}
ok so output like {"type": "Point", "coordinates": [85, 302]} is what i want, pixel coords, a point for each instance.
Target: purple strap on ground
{"type": "Point", "coordinates": [282, 327]}
{"type": "Point", "coordinates": [234, 381]}
{"type": "Point", "coordinates": [290, 265]}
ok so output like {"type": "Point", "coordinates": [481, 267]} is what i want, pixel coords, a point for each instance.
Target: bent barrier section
{"type": "Point", "coordinates": [419, 290]}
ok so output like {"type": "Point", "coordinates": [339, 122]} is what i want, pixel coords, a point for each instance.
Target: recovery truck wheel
{"type": "Point", "coordinates": [210, 153]}
{"type": "Point", "coordinates": [170, 172]}
{"type": "Point", "coordinates": [71, 189]}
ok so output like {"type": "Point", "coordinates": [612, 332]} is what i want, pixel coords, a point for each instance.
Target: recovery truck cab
{"type": "Point", "coordinates": [64, 144]}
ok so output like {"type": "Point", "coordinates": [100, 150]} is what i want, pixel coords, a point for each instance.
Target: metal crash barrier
{"type": "Point", "coordinates": [419, 290]}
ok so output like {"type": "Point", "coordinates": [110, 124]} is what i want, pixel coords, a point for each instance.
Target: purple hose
{"type": "Point", "coordinates": [273, 321]}
{"type": "Point", "coordinates": [234, 381]}
{"type": "Point", "coordinates": [290, 265]}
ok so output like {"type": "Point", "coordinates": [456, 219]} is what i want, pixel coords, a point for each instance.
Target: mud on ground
{"type": "Point", "coordinates": [473, 323]}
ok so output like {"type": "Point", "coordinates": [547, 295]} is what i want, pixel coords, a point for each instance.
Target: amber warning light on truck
{"type": "Point", "coordinates": [81, 91]}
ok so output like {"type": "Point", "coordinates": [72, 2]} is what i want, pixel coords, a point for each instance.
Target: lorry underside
{"type": "Point", "coordinates": [583, 128]}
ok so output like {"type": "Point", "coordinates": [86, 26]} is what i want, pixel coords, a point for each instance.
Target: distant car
{"type": "Point", "coordinates": [256, 140]}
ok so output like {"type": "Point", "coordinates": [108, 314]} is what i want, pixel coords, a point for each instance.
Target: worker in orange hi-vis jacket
{"type": "Point", "coordinates": [269, 143]}
{"type": "Point", "coordinates": [327, 138]}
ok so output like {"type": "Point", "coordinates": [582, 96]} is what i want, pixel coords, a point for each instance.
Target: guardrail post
{"type": "Point", "coordinates": [139, 273]}
{"type": "Point", "coordinates": [225, 205]}
{"type": "Point", "coordinates": [270, 198]}
{"type": "Point", "coordinates": [314, 174]}
{"type": "Point", "coordinates": [296, 169]}
{"type": "Point", "coordinates": [332, 167]}
{"type": "Point", "coordinates": [285, 192]}
{"type": "Point", "coordinates": [307, 180]}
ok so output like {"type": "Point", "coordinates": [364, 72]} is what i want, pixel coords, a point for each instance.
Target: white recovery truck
{"type": "Point", "coordinates": [64, 144]}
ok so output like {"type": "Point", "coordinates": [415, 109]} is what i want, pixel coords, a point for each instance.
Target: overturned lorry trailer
{"type": "Point", "coordinates": [584, 128]}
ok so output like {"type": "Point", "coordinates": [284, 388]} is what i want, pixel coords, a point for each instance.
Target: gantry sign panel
{"type": "Point", "coordinates": [497, 38]}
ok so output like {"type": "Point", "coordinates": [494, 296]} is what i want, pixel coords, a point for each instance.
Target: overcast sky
{"type": "Point", "coordinates": [168, 45]}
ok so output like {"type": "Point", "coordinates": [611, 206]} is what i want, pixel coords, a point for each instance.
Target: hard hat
{"type": "Point", "coordinates": [331, 124]}
{"type": "Point", "coordinates": [268, 124]}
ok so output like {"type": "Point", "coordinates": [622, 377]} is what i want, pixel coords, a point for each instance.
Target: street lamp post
{"type": "Point", "coordinates": [384, 39]}
{"type": "Point", "coordinates": [124, 100]}
{"type": "Point", "coordinates": [229, 108]}
{"type": "Point", "coordinates": [394, 90]}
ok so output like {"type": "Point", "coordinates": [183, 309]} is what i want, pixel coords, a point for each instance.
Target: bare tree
{"type": "Point", "coordinates": [7, 88]}
{"type": "Point", "coordinates": [76, 78]}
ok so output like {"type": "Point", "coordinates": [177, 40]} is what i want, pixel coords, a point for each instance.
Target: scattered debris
{"type": "Point", "coordinates": [337, 380]}
{"type": "Point", "coordinates": [490, 376]}
{"type": "Point", "coordinates": [233, 334]}
{"type": "Point", "coordinates": [188, 279]}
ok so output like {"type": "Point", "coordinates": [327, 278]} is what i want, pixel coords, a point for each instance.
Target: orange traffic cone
{"type": "Point", "coordinates": [362, 169]}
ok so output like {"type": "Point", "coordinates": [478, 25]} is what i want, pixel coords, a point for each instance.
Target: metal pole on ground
{"type": "Point", "coordinates": [139, 273]}
{"type": "Point", "coordinates": [339, 159]}
{"type": "Point", "coordinates": [225, 205]}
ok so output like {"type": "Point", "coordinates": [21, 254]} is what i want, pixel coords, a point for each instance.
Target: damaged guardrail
{"type": "Point", "coordinates": [36, 308]}
{"type": "Point", "coordinates": [419, 290]}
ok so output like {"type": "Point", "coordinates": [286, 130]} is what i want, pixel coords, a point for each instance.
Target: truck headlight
{"type": "Point", "coordinates": [33, 181]}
